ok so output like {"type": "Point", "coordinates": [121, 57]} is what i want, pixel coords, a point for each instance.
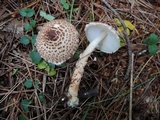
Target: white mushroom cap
{"type": "Point", "coordinates": [57, 41]}
{"type": "Point", "coordinates": [110, 44]}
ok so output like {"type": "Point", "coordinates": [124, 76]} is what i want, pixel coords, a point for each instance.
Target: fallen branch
{"type": "Point", "coordinates": [126, 38]}
{"type": "Point", "coordinates": [131, 89]}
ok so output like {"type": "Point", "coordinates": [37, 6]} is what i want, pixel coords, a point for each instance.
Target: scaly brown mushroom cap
{"type": "Point", "coordinates": [57, 41]}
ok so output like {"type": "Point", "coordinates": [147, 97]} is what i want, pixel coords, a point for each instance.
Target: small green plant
{"type": "Point", "coordinates": [30, 25]}
{"type": "Point", "coordinates": [49, 67]}
{"type": "Point", "coordinates": [26, 39]}
{"type": "Point", "coordinates": [37, 83]}
{"type": "Point", "coordinates": [41, 97]}
{"type": "Point", "coordinates": [151, 42]}
{"type": "Point", "coordinates": [65, 4]}
{"type": "Point", "coordinates": [36, 58]}
{"type": "Point", "coordinates": [24, 104]}
{"type": "Point", "coordinates": [30, 38]}
{"type": "Point", "coordinates": [21, 117]}
{"type": "Point", "coordinates": [46, 16]}
{"type": "Point", "coordinates": [28, 83]}
{"type": "Point", "coordinates": [27, 12]}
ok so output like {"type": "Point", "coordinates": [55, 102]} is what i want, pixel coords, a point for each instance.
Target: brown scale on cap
{"type": "Point", "coordinates": [57, 41]}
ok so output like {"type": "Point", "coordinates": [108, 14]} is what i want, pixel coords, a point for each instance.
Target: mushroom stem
{"type": "Point", "coordinates": [79, 70]}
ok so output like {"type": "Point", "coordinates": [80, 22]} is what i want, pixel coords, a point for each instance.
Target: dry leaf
{"type": "Point", "coordinates": [129, 24]}
{"type": "Point", "coordinates": [117, 21]}
{"type": "Point", "coordinates": [121, 29]}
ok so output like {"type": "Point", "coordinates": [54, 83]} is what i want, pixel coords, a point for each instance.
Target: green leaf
{"type": "Point", "coordinates": [76, 9]}
{"type": "Point", "coordinates": [52, 72]}
{"type": "Point", "coordinates": [146, 41]}
{"type": "Point", "coordinates": [122, 40]}
{"type": "Point", "coordinates": [41, 97]}
{"type": "Point", "coordinates": [24, 105]}
{"type": "Point", "coordinates": [66, 6]}
{"type": "Point", "coordinates": [34, 55]}
{"type": "Point", "coordinates": [47, 68]}
{"type": "Point", "coordinates": [27, 27]}
{"type": "Point", "coordinates": [37, 83]}
{"type": "Point", "coordinates": [30, 12]}
{"type": "Point", "coordinates": [90, 17]}
{"type": "Point", "coordinates": [153, 39]}
{"type": "Point", "coordinates": [152, 49]}
{"type": "Point", "coordinates": [101, 53]}
{"type": "Point", "coordinates": [27, 12]}
{"type": "Point", "coordinates": [24, 40]}
{"type": "Point", "coordinates": [62, 1]}
{"type": "Point", "coordinates": [129, 24]}
{"type": "Point", "coordinates": [34, 37]}
{"type": "Point", "coordinates": [51, 65]}
{"type": "Point", "coordinates": [86, 112]}
{"type": "Point", "coordinates": [49, 17]}
{"type": "Point", "coordinates": [46, 16]}
{"type": "Point", "coordinates": [42, 64]}
{"type": "Point", "coordinates": [42, 13]}
{"type": "Point", "coordinates": [62, 65]}
{"type": "Point", "coordinates": [117, 21]}
{"type": "Point", "coordinates": [21, 117]}
{"type": "Point", "coordinates": [121, 29]}
{"type": "Point", "coordinates": [33, 23]}
{"type": "Point", "coordinates": [15, 70]}
{"type": "Point", "coordinates": [23, 12]}
{"type": "Point", "coordinates": [76, 54]}
{"type": "Point", "coordinates": [28, 83]}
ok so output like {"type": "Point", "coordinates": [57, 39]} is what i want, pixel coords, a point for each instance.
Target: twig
{"type": "Point", "coordinates": [11, 90]}
{"type": "Point", "coordinates": [131, 89]}
{"type": "Point", "coordinates": [43, 90]}
{"type": "Point", "coordinates": [136, 78]}
{"type": "Point", "coordinates": [126, 37]}
{"type": "Point", "coordinates": [71, 11]}
{"type": "Point", "coordinates": [44, 83]}
{"type": "Point", "coordinates": [13, 14]}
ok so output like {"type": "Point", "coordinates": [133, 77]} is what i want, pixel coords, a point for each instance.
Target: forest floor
{"type": "Point", "coordinates": [29, 93]}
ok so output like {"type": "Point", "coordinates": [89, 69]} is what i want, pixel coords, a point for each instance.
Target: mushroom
{"type": "Point", "coordinates": [57, 41]}
{"type": "Point", "coordinates": [100, 36]}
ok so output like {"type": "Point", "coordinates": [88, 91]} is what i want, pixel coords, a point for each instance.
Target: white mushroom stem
{"type": "Point", "coordinates": [79, 70]}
